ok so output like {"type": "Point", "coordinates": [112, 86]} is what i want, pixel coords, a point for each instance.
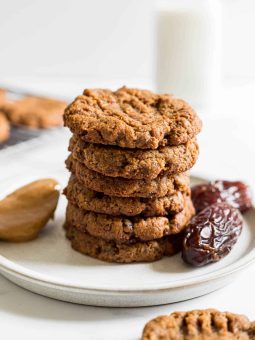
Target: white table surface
{"type": "Point", "coordinates": [227, 151]}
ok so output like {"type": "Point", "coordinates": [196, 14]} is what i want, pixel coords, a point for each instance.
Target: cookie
{"type": "Point", "coordinates": [116, 186]}
{"type": "Point", "coordinates": [131, 118]}
{"type": "Point", "coordinates": [2, 96]}
{"type": "Point", "coordinates": [251, 331]}
{"type": "Point", "coordinates": [123, 230]}
{"type": "Point", "coordinates": [208, 324]}
{"type": "Point", "coordinates": [136, 164]}
{"type": "Point", "coordinates": [111, 251]}
{"type": "Point", "coordinates": [35, 112]}
{"type": "Point", "coordinates": [4, 128]}
{"type": "Point", "coordinates": [98, 202]}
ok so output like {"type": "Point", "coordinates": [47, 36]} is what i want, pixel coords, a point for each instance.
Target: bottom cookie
{"type": "Point", "coordinates": [111, 251]}
{"type": "Point", "coordinates": [208, 324]}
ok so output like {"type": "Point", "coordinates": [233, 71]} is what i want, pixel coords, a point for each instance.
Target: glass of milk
{"type": "Point", "coordinates": [189, 50]}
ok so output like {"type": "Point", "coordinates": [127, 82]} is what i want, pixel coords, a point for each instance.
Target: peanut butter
{"type": "Point", "coordinates": [27, 210]}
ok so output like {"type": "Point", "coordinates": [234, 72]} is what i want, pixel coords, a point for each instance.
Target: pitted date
{"type": "Point", "coordinates": [211, 234]}
{"type": "Point", "coordinates": [237, 194]}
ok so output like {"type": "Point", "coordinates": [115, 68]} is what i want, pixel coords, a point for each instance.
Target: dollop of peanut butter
{"type": "Point", "coordinates": [27, 210]}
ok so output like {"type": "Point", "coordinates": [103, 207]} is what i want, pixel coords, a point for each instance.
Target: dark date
{"type": "Point", "coordinates": [237, 194]}
{"type": "Point", "coordinates": [211, 234]}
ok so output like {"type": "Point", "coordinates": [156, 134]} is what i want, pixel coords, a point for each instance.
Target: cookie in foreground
{"type": "Point", "coordinates": [207, 324]}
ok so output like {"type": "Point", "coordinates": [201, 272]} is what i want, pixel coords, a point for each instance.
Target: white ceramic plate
{"type": "Point", "coordinates": [48, 266]}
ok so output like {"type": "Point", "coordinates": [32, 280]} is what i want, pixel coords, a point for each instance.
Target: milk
{"type": "Point", "coordinates": [189, 50]}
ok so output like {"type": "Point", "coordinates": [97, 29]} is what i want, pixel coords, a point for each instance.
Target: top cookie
{"type": "Point", "coordinates": [131, 118]}
{"type": "Point", "coordinates": [208, 324]}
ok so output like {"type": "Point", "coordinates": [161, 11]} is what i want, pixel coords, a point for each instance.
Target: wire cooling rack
{"type": "Point", "coordinates": [23, 134]}
{"type": "Point", "coordinates": [20, 135]}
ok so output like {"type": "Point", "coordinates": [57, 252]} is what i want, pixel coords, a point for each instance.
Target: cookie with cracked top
{"type": "Point", "coordinates": [208, 324]}
{"type": "Point", "coordinates": [136, 164]}
{"type": "Point", "coordinates": [161, 186]}
{"type": "Point", "coordinates": [123, 229]}
{"type": "Point", "coordinates": [131, 118]}
{"type": "Point", "coordinates": [111, 251]}
{"type": "Point", "coordinates": [98, 202]}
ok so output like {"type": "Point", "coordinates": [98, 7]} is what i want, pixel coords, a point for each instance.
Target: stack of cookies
{"type": "Point", "coordinates": [129, 191]}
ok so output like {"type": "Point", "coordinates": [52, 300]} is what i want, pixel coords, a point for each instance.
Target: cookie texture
{"type": "Point", "coordinates": [208, 324]}
{"type": "Point", "coordinates": [35, 112]}
{"type": "Point", "coordinates": [131, 118]}
{"type": "Point", "coordinates": [116, 186]}
{"type": "Point", "coordinates": [122, 229]}
{"type": "Point", "coordinates": [136, 164]}
{"type": "Point", "coordinates": [98, 202]}
{"type": "Point", "coordinates": [111, 251]}
{"type": "Point", "coordinates": [4, 128]}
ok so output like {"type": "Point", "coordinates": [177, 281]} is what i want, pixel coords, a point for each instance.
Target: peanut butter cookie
{"type": "Point", "coordinates": [98, 202]}
{"type": "Point", "coordinates": [4, 128]}
{"type": "Point", "coordinates": [208, 324]}
{"type": "Point", "coordinates": [122, 229]}
{"type": "Point", "coordinates": [136, 164]}
{"type": "Point", "coordinates": [2, 96]}
{"type": "Point", "coordinates": [35, 112]}
{"type": "Point", "coordinates": [161, 186]}
{"type": "Point", "coordinates": [111, 251]}
{"type": "Point", "coordinates": [131, 118]}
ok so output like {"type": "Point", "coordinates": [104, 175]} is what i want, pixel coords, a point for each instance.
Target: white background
{"type": "Point", "coordinates": [106, 39]}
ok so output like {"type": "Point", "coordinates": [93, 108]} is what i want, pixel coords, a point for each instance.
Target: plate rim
{"type": "Point", "coordinates": [43, 279]}
{"type": "Point", "coordinates": [12, 268]}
